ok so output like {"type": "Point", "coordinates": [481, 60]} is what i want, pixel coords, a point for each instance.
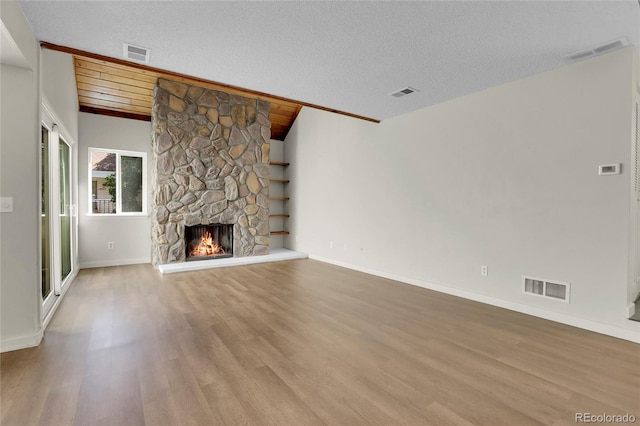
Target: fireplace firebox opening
{"type": "Point", "coordinates": [208, 241]}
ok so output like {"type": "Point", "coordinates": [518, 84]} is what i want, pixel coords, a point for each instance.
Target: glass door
{"type": "Point", "coordinates": [45, 229]}
{"type": "Point", "coordinates": [64, 177]}
{"type": "Point", "coordinates": [58, 222]}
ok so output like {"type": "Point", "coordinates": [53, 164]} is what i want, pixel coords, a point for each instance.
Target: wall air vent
{"type": "Point", "coordinates": [403, 92]}
{"type": "Point", "coordinates": [598, 50]}
{"type": "Point", "coordinates": [544, 288]}
{"type": "Point", "coordinates": [136, 53]}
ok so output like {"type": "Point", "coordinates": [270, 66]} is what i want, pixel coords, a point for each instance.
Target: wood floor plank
{"type": "Point", "coordinates": [303, 342]}
{"type": "Point", "coordinates": [93, 407]}
{"type": "Point", "coordinates": [225, 407]}
{"type": "Point", "coordinates": [441, 415]}
{"type": "Point", "coordinates": [189, 402]}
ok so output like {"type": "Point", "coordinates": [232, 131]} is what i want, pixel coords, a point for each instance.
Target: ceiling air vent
{"type": "Point", "coordinates": [598, 50]}
{"type": "Point", "coordinates": [551, 289]}
{"type": "Point", "coordinates": [136, 53]}
{"type": "Point", "coordinates": [404, 92]}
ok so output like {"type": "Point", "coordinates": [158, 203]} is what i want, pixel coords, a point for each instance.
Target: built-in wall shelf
{"type": "Point", "coordinates": [280, 182]}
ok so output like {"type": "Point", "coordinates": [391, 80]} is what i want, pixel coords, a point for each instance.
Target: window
{"type": "Point", "coordinates": [118, 182]}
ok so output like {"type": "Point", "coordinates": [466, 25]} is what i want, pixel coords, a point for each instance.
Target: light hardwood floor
{"type": "Point", "coordinates": [303, 342]}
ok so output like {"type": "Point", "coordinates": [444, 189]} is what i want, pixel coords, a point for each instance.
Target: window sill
{"type": "Point", "coordinates": [118, 216]}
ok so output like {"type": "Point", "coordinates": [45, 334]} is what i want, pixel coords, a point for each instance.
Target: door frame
{"type": "Point", "coordinates": [58, 133]}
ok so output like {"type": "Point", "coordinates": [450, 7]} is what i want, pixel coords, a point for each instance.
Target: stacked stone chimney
{"type": "Point", "coordinates": [210, 165]}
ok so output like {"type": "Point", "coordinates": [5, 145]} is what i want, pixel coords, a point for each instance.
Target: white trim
{"type": "Point", "coordinates": [117, 262]}
{"type": "Point", "coordinates": [119, 153]}
{"type": "Point", "coordinates": [49, 301]}
{"type": "Point", "coordinates": [34, 340]}
{"type": "Point", "coordinates": [22, 342]}
{"type": "Point", "coordinates": [68, 281]}
{"type": "Point", "coordinates": [610, 330]}
{"type": "Point", "coordinates": [59, 134]}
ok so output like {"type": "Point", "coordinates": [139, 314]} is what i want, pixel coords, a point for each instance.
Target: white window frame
{"type": "Point", "coordinates": [119, 153]}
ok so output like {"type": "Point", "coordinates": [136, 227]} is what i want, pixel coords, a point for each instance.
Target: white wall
{"type": "Point", "coordinates": [59, 88]}
{"type": "Point", "coordinates": [19, 152]}
{"type": "Point", "coordinates": [131, 235]}
{"type": "Point", "coordinates": [20, 32]}
{"type": "Point", "coordinates": [507, 178]}
{"type": "Point", "coordinates": [634, 202]}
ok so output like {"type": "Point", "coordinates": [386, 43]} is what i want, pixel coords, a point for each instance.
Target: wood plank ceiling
{"type": "Point", "coordinates": [110, 88]}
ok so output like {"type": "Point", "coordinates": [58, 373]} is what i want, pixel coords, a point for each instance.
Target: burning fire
{"type": "Point", "coordinates": [207, 247]}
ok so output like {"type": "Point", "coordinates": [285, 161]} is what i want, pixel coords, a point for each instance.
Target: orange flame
{"type": "Point", "coordinates": [207, 247]}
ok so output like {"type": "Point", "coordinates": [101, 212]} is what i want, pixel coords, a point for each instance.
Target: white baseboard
{"type": "Point", "coordinates": [117, 262]}
{"type": "Point", "coordinates": [35, 339]}
{"type": "Point", "coordinates": [632, 335]}
{"type": "Point", "coordinates": [22, 342]}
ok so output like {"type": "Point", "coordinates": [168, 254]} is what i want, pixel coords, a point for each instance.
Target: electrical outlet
{"type": "Point", "coordinates": [484, 271]}
{"type": "Point", "coordinates": [110, 245]}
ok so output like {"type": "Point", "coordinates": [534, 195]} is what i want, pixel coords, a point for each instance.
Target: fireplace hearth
{"type": "Point", "coordinates": [213, 241]}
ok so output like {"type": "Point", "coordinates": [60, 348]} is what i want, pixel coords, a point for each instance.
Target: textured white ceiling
{"type": "Point", "coordinates": [343, 55]}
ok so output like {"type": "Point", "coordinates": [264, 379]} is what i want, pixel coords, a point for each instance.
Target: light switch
{"type": "Point", "coordinates": [6, 204]}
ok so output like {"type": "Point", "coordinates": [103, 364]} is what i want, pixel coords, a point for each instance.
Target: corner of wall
{"type": "Point", "coordinates": [19, 282]}
{"type": "Point", "coordinates": [20, 31]}
{"type": "Point", "coordinates": [23, 342]}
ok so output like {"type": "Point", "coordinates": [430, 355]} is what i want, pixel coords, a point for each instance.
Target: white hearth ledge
{"type": "Point", "coordinates": [276, 255]}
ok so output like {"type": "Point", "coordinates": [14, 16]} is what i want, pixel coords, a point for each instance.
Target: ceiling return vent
{"type": "Point", "coordinates": [136, 53]}
{"type": "Point", "coordinates": [598, 50]}
{"type": "Point", "coordinates": [544, 288]}
{"type": "Point", "coordinates": [403, 92]}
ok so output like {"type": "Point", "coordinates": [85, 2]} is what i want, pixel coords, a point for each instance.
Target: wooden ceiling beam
{"type": "Point", "coordinates": [196, 80]}
{"type": "Point", "coordinates": [114, 113]}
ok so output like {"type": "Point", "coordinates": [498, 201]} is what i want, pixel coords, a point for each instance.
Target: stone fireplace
{"type": "Point", "coordinates": [210, 166]}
